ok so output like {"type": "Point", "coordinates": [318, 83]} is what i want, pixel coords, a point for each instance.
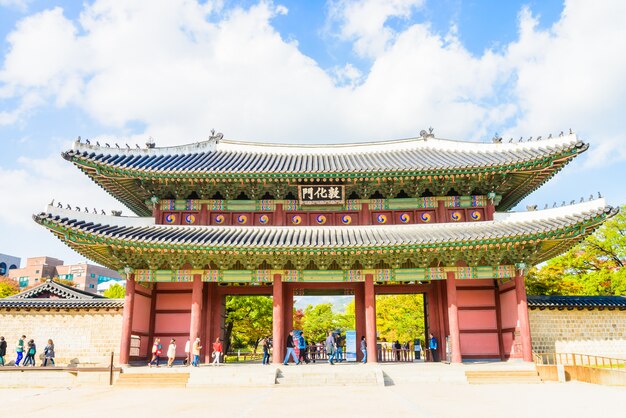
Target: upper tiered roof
{"type": "Point", "coordinates": [542, 234]}
{"type": "Point", "coordinates": [129, 174]}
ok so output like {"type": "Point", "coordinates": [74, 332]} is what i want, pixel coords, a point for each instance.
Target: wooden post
{"type": "Point", "coordinates": [209, 333]}
{"type": "Point", "coordinates": [127, 320]}
{"type": "Point", "coordinates": [453, 319]}
{"type": "Point", "coordinates": [196, 308]}
{"type": "Point", "coordinates": [522, 315]}
{"type": "Point", "coordinates": [278, 327]}
{"type": "Point", "coordinates": [111, 370]}
{"type": "Point", "coordinates": [370, 319]}
{"type": "Point", "coordinates": [359, 313]}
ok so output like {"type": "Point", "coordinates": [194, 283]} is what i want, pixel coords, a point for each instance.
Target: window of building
{"type": "Point", "coordinates": [36, 271]}
{"type": "Point", "coordinates": [93, 275]}
{"type": "Point", "coordinates": [91, 286]}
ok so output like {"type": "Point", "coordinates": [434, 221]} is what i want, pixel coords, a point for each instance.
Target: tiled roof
{"type": "Point", "coordinates": [504, 226]}
{"type": "Point", "coordinates": [53, 303]}
{"type": "Point", "coordinates": [58, 289]}
{"type": "Point", "coordinates": [391, 156]}
{"type": "Point", "coordinates": [589, 302]}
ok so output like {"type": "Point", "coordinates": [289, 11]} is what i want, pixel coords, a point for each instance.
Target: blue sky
{"type": "Point", "coordinates": [299, 71]}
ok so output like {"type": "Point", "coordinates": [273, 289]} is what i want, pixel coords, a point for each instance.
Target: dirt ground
{"type": "Point", "coordinates": [571, 399]}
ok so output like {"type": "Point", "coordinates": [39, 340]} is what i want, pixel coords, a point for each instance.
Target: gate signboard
{"type": "Point", "coordinates": [321, 194]}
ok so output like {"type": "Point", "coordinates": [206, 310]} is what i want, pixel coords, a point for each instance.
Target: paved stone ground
{"type": "Point", "coordinates": [569, 400]}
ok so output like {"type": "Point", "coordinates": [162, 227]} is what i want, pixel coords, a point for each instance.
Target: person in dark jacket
{"type": "Point", "coordinates": [48, 353]}
{"type": "Point", "coordinates": [290, 350]}
{"type": "Point", "coordinates": [432, 347]}
{"type": "Point", "coordinates": [302, 346]}
{"type": "Point", "coordinates": [31, 350]}
{"type": "Point", "coordinates": [265, 344]}
{"type": "Point", "coordinates": [3, 350]}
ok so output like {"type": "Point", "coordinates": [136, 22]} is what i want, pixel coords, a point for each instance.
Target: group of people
{"type": "Point", "coordinates": [192, 352]}
{"type": "Point", "coordinates": [26, 350]}
{"type": "Point", "coordinates": [298, 348]}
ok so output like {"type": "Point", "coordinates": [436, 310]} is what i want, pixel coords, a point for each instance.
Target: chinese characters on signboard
{"type": "Point", "coordinates": [321, 195]}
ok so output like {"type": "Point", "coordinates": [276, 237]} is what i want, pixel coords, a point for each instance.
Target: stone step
{"type": "Point", "coordinates": [152, 380]}
{"type": "Point", "coordinates": [503, 377]}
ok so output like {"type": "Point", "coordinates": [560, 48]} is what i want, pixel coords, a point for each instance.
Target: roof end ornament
{"type": "Point", "coordinates": [216, 137]}
{"type": "Point", "coordinates": [150, 143]}
{"type": "Point", "coordinates": [427, 134]}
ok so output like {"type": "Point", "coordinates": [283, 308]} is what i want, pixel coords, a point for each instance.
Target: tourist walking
{"type": "Point", "coordinates": [265, 345]}
{"type": "Point", "coordinates": [196, 352]}
{"type": "Point", "coordinates": [187, 360]}
{"type": "Point", "coordinates": [331, 347]}
{"type": "Point", "coordinates": [171, 353]}
{"type": "Point", "coordinates": [217, 351]}
{"type": "Point", "coordinates": [48, 353]}
{"type": "Point", "coordinates": [157, 350]}
{"type": "Point", "coordinates": [19, 350]}
{"type": "Point", "coordinates": [290, 350]}
{"type": "Point", "coordinates": [432, 347]}
{"type": "Point", "coordinates": [302, 348]}
{"type": "Point", "coordinates": [418, 349]}
{"type": "Point", "coordinates": [339, 344]}
{"type": "Point", "coordinates": [3, 350]}
{"type": "Point", "coordinates": [364, 349]}
{"type": "Point", "coordinates": [31, 350]}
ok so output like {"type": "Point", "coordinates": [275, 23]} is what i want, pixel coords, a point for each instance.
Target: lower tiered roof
{"type": "Point", "coordinates": [529, 237]}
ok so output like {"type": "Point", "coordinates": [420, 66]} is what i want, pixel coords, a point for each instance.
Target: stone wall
{"type": "Point", "coordinates": [82, 336]}
{"type": "Point", "coordinates": [594, 332]}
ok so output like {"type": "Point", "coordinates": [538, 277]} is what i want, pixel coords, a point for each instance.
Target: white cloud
{"type": "Point", "coordinates": [182, 68]}
{"type": "Point", "coordinates": [21, 5]}
{"type": "Point", "coordinates": [364, 22]}
{"type": "Point", "coordinates": [572, 75]}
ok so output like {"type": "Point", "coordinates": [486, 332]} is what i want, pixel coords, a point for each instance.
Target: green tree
{"type": "Point", "coordinates": [593, 267]}
{"type": "Point", "coordinates": [248, 320]}
{"type": "Point", "coordinates": [318, 320]}
{"type": "Point", "coordinates": [8, 287]}
{"type": "Point", "coordinates": [400, 317]}
{"type": "Point", "coordinates": [116, 291]}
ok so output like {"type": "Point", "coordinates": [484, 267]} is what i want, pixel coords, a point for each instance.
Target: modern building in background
{"type": "Point", "coordinates": [84, 276]}
{"type": "Point", "coordinates": [8, 262]}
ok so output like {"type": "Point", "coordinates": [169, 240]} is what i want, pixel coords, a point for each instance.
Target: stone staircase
{"type": "Point", "coordinates": [497, 377]}
{"type": "Point", "coordinates": [232, 375]}
{"type": "Point", "coordinates": [423, 373]}
{"type": "Point", "coordinates": [327, 375]}
{"type": "Point", "coordinates": [152, 380]}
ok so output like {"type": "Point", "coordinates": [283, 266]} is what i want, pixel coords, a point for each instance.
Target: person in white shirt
{"type": "Point", "coordinates": [188, 352]}
{"type": "Point", "coordinates": [171, 353]}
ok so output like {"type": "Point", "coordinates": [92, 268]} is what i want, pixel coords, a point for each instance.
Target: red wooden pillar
{"type": "Point", "coordinates": [359, 313]}
{"type": "Point", "coordinates": [196, 308]}
{"type": "Point", "coordinates": [209, 332]}
{"type": "Point", "coordinates": [288, 303]}
{"type": "Point", "coordinates": [453, 319]}
{"type": "Point", "coordinates": [127, 320]}
{"type": "Point", "coordinates": [522, 315]}
{"type": "Point", "coordinates": [217, 299]}
{"type": "Point", "coordinates": [370, 319]}
{"type": "Point", "coordinates": [278, 315]}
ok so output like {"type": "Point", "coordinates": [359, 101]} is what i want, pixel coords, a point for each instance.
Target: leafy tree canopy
{"type": "Point", "coordinates": [248, 320]}
{"type": "Point", "coordinates": [593, 267]}
{"type": "Point", "coordinates": [8, 287]}
{"type": "Point", "coordinates": [115, 291]}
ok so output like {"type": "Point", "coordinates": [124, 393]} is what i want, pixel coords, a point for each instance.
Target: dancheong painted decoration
{"type": "Point", "coordinates": [421, 215]}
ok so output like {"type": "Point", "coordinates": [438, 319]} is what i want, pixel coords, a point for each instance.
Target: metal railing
{"type": "Point", "coordinates": [395, 355]}
{"type": "Point", "coordinates": [576, 359]}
